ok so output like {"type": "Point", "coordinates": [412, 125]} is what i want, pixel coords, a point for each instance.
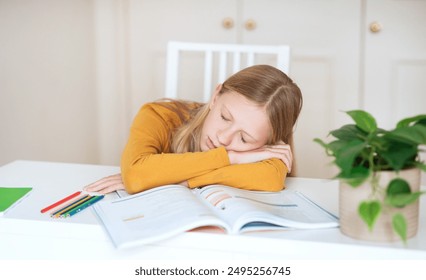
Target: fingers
{"type": "Point", "coordinates": [283, 152]}
{"type": "Point", "coordinates": [111, 188]}
{"type": "Point", "coordinates": [101, 183]}
{"type": "Point", "coordinates": [106, 185]}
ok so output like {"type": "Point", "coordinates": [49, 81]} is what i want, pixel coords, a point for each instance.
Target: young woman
{"type": "Point", "coordinates": [241, 138]}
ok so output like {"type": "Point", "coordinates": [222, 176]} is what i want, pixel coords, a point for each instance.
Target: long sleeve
{"type": "Point", "coordinates": [147, 162]}
{"type": "Point", "coordinates": [267, 175]}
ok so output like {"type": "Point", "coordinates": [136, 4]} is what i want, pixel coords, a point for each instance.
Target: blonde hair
{"type": "Point", "coordinates": [187, 137]}
{"type": "Point", "coordinates": [264, 85]}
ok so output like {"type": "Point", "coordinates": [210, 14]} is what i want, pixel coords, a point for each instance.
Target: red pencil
{"type": "Point", "coordinates": [60, 202]}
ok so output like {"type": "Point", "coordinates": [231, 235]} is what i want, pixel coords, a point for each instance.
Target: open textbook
{"type": "Point", "coordinates": [166, 211]}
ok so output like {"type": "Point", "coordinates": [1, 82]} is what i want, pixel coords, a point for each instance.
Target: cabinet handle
{"type": "Point", "coordinates": [375, 27]}
{"type": "Point", "coordinates": [228, 23]}
{"type": "Point", "coordinates": [250, 24]}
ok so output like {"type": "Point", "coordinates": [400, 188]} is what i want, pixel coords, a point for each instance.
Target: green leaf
{"type": "Point", "coordinates": [349, 132]}
{"type": "Point", "coordinates": [422, 121]}
{"type": "Point", "coordinates": [347, 153]}
{"type": "Point", "coordinates": [408, 121]}
{"type": "Point", "coordinates": [399, 225]}
{"type": "Point", "coordinates": [413, 135]}
{"type": "Point", "coordinates": [330, 148]}
{"type": "Point", "coordinates": [399, 155]}
{"type": "Point", "coordinates": [369, 212]}
{"type": "Point", "coordinates": [363, 120]}
{"type": "Point", "coordinates": [398, 186]}
{"type": "Point", "coordinates": [356, 176]}
{"type": "Point", "coordinates": [401, 200]}
{"type": "Point", "coordinates": [335, 147]}
{"type": "Point", "coordinates": [398, 193]}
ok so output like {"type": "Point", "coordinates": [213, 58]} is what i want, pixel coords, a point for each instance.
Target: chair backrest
{"type": "Point", "coordinates": [216, 57]}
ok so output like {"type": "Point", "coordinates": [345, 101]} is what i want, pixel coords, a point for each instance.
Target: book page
{"type": "Point", "coordinates": [154, 215]}
{"type": "Point", "coordinates": [252, 210]}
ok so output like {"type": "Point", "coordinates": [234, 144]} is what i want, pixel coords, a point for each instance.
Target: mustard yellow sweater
{"type": "Point", "coordinates": [147, 161]}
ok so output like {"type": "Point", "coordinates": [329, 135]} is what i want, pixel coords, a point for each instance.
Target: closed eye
{"type": "Point", "coordinates": [223, 118]}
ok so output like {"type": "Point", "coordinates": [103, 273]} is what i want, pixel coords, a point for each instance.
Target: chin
{"type": "Point", "coordinates": [205, 149]}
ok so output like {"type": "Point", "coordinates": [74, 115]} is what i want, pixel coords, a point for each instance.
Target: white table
{"type": "Point", "coordinates": [25, 233]}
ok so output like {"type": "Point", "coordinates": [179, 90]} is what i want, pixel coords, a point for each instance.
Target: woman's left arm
{"type": "Point", "coordinates": [267, 175]}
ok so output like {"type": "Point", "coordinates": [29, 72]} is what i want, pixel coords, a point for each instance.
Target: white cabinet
{"type": "Point", "coordinates": [395, 59]}
{"type": "Point", "coordinates": [323, 36]}
{"type": "Point", "coordinates": [115, 58]}
{"type": "Point", "coordinates": [335, 59]}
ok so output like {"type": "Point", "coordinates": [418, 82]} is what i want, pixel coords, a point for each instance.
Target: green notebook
{"type": "Point", "coordinates": [10, 196]}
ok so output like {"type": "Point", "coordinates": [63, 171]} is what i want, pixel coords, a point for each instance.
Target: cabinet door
{"type": "Point", "coordinates": [324, 37]}
{"type": "Point", "coordinates": [395, 60]}
{"type": "Point", "coordinates": [155, 22]}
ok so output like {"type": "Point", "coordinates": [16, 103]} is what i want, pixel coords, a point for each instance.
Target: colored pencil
{"type": "Point", "coordinates": [70, 206]}
{"type": "Point", "coordinates": [60, 202]}
{"type": "Point", "coordinates": [82, 206]}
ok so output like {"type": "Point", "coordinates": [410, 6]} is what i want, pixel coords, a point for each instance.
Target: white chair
{"type": "Point", "coordinates": [216, 57]}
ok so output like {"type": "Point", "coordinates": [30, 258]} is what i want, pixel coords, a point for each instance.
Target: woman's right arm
{"type": "Point", "coordinates": [147, 162]}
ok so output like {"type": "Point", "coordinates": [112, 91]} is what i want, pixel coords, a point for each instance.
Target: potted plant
{"type": "Point", "coordinates": [379, 176]}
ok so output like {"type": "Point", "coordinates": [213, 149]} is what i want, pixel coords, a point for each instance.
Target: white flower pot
{"type": "Point", "coordinates": [350, 197]}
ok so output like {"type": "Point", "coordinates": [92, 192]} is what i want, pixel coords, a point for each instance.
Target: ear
{"type": "Point", "coordinates": [215, 95]}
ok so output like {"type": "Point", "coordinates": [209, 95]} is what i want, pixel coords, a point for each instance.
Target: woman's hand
{"type": "Point", "coordinates": [106, 185]}
{"type": "Point", "coordinates": [281, 151]}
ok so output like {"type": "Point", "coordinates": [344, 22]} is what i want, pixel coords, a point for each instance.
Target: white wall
{"type": "Point", "coordinates": [48, 102]}
{"type": "Point", "coordinates": [71, 75]}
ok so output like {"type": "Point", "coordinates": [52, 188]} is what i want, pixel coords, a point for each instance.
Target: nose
{"type": "Point", "coordinates": [224, 137]}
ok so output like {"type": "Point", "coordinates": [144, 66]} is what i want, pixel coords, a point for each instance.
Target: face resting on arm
{"type": "Point", "coordinates": [248, 123]}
